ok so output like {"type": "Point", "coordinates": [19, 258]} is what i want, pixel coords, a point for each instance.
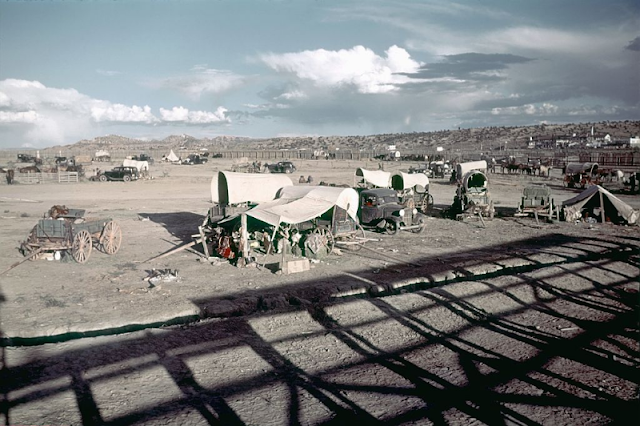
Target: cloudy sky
{"type": "Point", "coordinates": [71, 70]}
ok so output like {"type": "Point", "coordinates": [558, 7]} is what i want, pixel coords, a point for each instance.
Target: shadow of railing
{"type": "Point", "coordinates": [473, 346]}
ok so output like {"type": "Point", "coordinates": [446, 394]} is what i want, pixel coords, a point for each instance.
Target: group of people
{"type": "Point", "coordinates": [305, 180]}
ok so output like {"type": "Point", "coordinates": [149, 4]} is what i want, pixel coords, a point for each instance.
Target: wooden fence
{"type": "Point", "coordinates": [60, 177]}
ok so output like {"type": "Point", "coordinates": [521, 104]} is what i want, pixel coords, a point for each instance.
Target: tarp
{"type": "Point", "coordinates": [172, 157]}
{"type": "Point", "coordinates": [378, 178]}
{"type": "Point", "coordinates": [401, 180]}
{"type": "Point", "coordinates": [297, 204]}
{"type": "Point", "coordinates": [614, 207]}
{"type": "Point", "coordinates": [573, 168]}
{"type": "Point", "coordinates": [228, 188]}
{"type": "Point", "coordinates": [140, 165]}
{"type": "Point", "coordinates": [464, 168]}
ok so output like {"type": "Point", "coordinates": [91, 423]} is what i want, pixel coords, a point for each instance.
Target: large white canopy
{"type": "Point", "coordinates": [297, 204]}
{"type": "Point", "coordinates": [378, 178]}
{"type": "Point", "coordinates": [140, 165]}
{"type": "Point", "coordinates": [229, 188]}
{"type": "Point", "coordinates": [613, 206]}
{"type": "Point", "coordinates": [401, 180]}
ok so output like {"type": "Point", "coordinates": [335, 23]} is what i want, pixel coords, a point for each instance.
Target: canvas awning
{"type": "Point", "coordinates": [378, 178]}
{"type": "Point", "coordinates": [297, 204]}
{"type": "Point", "coordinates": [614, 208]}
{"type": "Point", "coordinates": [228, 188]}
{"type": "Point", "coordinates": [401, 180]}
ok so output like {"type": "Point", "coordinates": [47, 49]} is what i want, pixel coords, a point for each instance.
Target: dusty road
{"type": "Point", "coordinates": [510, 324]}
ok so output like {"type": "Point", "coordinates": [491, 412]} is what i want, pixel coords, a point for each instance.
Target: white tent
{"type": "Point", "coordinates": [602, 204]}
{"type": "Point", "coordinates": [172, 157]}
{"type": "Point", "coordinates": [378, 178]}
{"type": "Point", "coordinates": [300, 204]}
{"type": "Point", "coordinates": [229, 188]}
{"type": "Point", "coordinates": [401, 180]}
{"type": "Point", "coordinates": [142, 166]}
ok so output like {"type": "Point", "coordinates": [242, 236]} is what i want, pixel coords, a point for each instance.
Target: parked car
{"type": "Point", "coordinates": [380, 209]}
{"type": "Point", "coordinates": [122, 173]}
{"type": "Point", "coordinates": [282, 167]}
{"type": "Point", "coordinates": [195, 159]}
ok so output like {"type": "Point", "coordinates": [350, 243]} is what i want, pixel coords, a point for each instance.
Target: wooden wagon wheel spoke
{"type": "Point", "coordinates": [111, 238]}
{"type": "Point", "coordinates": [326, 237]}
{"type": "Point", "coordinates": [81, 249]}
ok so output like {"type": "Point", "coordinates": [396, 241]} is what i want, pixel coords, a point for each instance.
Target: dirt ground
{"type": "Point", "coordinates": [509, 323]}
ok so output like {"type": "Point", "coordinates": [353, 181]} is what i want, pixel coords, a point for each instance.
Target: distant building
{"type": "Point", "coordinates": [634, 142]}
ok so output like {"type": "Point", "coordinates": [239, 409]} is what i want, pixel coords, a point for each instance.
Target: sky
{"type": "Point", "coordinates": [73, 70]}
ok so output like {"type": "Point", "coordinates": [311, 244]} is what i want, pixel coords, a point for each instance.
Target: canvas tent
{"type": "Point", "coordinates": [142, 166]}
{"type": "Point", "coordinates": [378, 178]}
{"type": "Point", "coordinates": [172, 157]}
{"type": "Point", "coordinates": [229, 188]}
{"type": "Point", "coordinates": [401, 180]}
{"type": "Point", "coordinates": [297, 204]}
{"type": "Point", "coordinates": [600, 204]}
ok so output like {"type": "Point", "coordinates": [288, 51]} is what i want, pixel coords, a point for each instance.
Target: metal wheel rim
{"type": "Point", "coordinates": [111, 238]}
{"type": "Point", "coordinates": [81, 249]}
{"type": "Point", "coordinates": [391, 227]}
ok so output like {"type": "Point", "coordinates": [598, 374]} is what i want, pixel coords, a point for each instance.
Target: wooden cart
{"type": "Point", "coordinates": [67, 230]}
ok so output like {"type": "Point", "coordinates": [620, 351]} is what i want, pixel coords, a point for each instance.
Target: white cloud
{"type": "Point", "coordinates": [183, 115]}
{"type": "Point", "coordinates": [200, 82]}
{"type": "Point", "coordinates": [18, 117]}
{"type": "Point", "coordinates": [359, 67]}
{"type": "Point", "coordinates": [123, 114]}
{"type": "Point", "coordinates": [294, 94]}
{"type": "Point", "coordinates": [529, 109]}
{"type": "Point", "coordinates": [108, 73]}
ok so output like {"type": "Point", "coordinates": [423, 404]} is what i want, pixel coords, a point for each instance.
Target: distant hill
{"type": "Point", "coordinates": [478, 138]}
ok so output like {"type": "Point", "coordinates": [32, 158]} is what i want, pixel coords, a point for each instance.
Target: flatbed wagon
{"type": "Point", "coordinates": [65, 230]}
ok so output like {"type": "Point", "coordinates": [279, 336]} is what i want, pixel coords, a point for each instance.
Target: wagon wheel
{"type": "Point", "coordinates": [111, 238]}
{"type": "Point", "coordinates": [427, 203]}
{"type": "Point", "coordinates": [358, 238]}
{"type": "Point", "coordinates": [326, 237]}
{"type": "Point", "coordinates": [81, 248]}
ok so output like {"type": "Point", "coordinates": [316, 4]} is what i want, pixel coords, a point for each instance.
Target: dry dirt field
{"type": "Point", "coordinates": [513, 323]}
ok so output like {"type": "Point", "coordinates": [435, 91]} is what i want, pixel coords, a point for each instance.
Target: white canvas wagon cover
{"type": "Point", "coordinates": [401, 180]}
{"type": "Point", "coordinates": [229, 188]}
{"type": "Point", "coordinates": [613, 206]}
{"type": "Point", "coordinates": [140, 165]}
{"type": "Point", "coordinates": [378, 178]}
{"type": "Point", "coordinates": [297, 204]}
{"type": "Point", "coordinates": [573, 168]}
{"type": "Point", "coordinates": [464, 168]}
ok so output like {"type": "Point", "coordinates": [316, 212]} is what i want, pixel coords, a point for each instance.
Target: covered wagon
{"type": "Point", "coordinates": [413, 190]}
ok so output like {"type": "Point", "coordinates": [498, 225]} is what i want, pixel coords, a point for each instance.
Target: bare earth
{"type": "Point", "coordinates": [512, 323]}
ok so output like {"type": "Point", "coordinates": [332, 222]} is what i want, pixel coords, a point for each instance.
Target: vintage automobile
{"type": "Point", "coordinates": [122, 173]}
{"type": "Point", "coordinates": [282, 167]}
{"type": "Point", "coordinates": [380, 209]}
{"type": "Point", "coordinates": [194, 159]}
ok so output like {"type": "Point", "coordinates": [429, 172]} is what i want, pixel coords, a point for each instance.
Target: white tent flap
{"type": "Point", "coordinates": [297, 204]}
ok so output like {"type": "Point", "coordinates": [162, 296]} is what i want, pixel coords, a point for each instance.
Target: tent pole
{"type": "Point", "coordinates": [602, 207]}
{"type": "Point", "coordinates": [273, 236]}
{"type": "Point", "coordinates": [245, 236]}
